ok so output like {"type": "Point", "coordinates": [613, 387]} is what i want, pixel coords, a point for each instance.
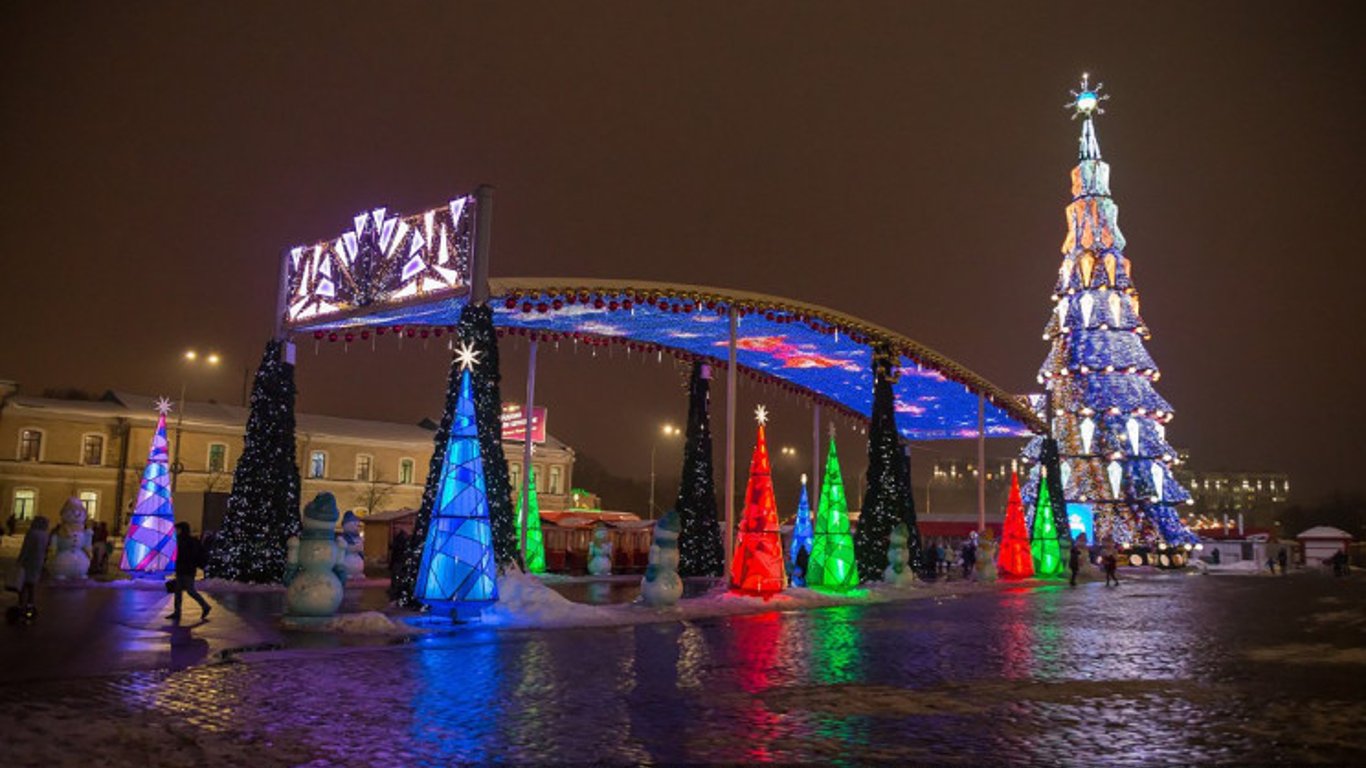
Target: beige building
{"type": "Point", "coordinates": [95, 449]}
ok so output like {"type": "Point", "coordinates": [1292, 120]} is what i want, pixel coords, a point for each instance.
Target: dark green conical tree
{"type": "Point", "coordinates": [700, 552]}
{"type": "Point", "coordinates": [887, 498]}
{"type": "Point", "coordinates": [1048, 457]}
{"type": "Point", "coordinates": [263, 509]}
{"type": "Point", "coordinates": [476, 329]}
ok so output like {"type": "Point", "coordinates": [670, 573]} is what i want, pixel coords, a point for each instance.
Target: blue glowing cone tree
{"type": "Point", "coordinates": [149, 547]}
{"type": "Point", "coordinates": [1108, 420]}
{"type": "Point", "coordinates": [802, 540]}
{"type": "Point", "coordinates": [535, 540]}
{"type": "Point", "coordinates": [458, 570]}
{"type": "Point", "coordinates": [832, 564]}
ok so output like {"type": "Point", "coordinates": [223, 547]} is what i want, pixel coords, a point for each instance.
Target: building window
{"type": "Point", "coordinates": [364, 463]}
{"type": "Point", "coordinates": [405, 471]}
{"type": "Point", "coordinates": [92, 450]}
{"type": "Point", "coordinates": [25, 503]}
{"type": "Point", "coordinates": [317, 464]}
{"type": "Point", "coordinates": [30, 444]}
{"type": "Point", "coordinates": [556, 480]}
{"type": "Point", "coordinates": [515, 478]}
{"type": "Point", "coordinates": [91, 500]}
{"type": "Point", "coordinates": [218, 457]}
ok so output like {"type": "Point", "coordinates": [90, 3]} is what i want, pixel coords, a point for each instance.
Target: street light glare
{"type": "Point", "coordinates": [190, 354]}
{"type": "Point", "coordinates": [213, 358]}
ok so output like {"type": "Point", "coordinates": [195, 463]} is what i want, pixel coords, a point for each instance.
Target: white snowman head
{"type": "Point", "coordinates": [73, 515]}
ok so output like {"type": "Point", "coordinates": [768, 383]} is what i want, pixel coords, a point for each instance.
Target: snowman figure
{"type": "Point", "coordinates": [314, 572]}
{"type": "Point", "coordinates": [986, 556]}
{"type": "Point", "coordinates": [600, 552]}
{"type": "Point", "coordinates": [899, 573]}
{"type": "Point", "coordinates": [661, 586]}
{"type": "Point", "coordinates": [352, 546]}
{"type": "Point", "coordinates": [72, 540]}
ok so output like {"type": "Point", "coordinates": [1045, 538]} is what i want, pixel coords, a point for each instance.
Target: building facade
{"type": "Point", "coordinates": [95, 449]}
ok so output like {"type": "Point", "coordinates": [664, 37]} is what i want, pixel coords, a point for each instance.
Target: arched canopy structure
{"type": "Point", "coordinates": [411, 276]}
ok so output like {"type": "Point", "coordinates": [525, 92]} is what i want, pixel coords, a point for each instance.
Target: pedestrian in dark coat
{"type": "Point", "coordinates": [189, 556]}
{"type": "Point", "coordinates": [29, 567]}
{"type": "Point", "coordinates": [1074, 561]}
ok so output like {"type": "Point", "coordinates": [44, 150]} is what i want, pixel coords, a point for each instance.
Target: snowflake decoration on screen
{"type": "Point", "coordinates": [383, 258]}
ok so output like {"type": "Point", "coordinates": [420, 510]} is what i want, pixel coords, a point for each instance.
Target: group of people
{"type": "Point", "coordinates": [191, 555]}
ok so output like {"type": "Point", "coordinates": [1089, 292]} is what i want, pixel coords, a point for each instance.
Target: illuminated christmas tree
{"type": "Point", "coordinates": [1043, 544]}
{"type": "Point", "coordinates": [458, 568]}
{"type": "Point", "coordinates": [149, 547]}
{"type": "Point", "coordinates": [1014, 560]}
{"type": "Point", "coordinates": [887, 499]}
{"type": "Point", "coordinates": [757, 567]}
{"type": "Point", "coordinates": [700, 551]}
{"type": "Point", "coordinates": [802, 540]}
{"type": "Point", "coordinates": [263, 509]}
{"type": "Point", "coordinates": [475, 330]}
{"type": "Point", "coordinates": [1108, 420]}
{"type": "Point", "coordinates": [832, 563]}
{"type": "Point", "coordinates": [535, 541]}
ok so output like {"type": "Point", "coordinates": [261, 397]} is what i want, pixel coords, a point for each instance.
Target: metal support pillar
{"type": "Point", "coordinates": [731, 374]}
{"type": "Point", "coordinates": [815, 454]}
{"type": "Point", "coordinates": [527, 411]}
{"type": "Point", "coordinates": [981, 462]}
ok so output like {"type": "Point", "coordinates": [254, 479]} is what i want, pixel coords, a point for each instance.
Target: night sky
{"type": "Point", "coordinates": [904, 162]}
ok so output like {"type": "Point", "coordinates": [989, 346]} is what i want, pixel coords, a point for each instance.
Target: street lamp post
{"type": "Point", "coordinates": [668, 430]}
{"type": "Point", "coordinates": [191, 357]}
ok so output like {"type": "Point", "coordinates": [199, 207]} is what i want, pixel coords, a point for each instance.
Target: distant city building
{"type": "Point", "coordinates": [1257, 496]}
{"type": "Point", "coordinates": [94, 449]}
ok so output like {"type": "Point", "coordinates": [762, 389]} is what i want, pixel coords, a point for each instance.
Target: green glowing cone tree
{"type": "Point", "coordinates": [263, 508]}
{"type": "Point", "coordinates": [887, 499]}
{"type": "Point", "coordinates": [1043, 544]}
{"type": "Point", "coordinates": [535, 540]}
{"type": "Point", "coordinates": [832, 565]}
{"type": "Point", "coordinates": [700, 551]}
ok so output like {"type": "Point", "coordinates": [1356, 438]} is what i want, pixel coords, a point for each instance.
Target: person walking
{"type": "Point", "coordinates": [29, 569]}
{"type": "Point", "coordinates": [189, 556]}
{"type": "Point", "coordinates": [1074, 561]}
{"type": "Point", "coordinates": [1283, 558]}
{"type": "Point", "coordinates": [1110, 561]}
{"type": "Point", "coordinates": [969, 555]}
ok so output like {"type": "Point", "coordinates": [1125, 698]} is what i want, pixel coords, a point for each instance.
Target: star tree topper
{"type": "Point", "coordinates": [164, 405]}
{"type": "Point", "coordinates": [761, 415]}
{"type": "Point", "coordinates": [467, 356]}
{"type": "Point", "coordinates": [1086, 102]}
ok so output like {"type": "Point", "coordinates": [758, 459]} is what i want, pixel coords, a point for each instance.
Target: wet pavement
{"type": "Point", "coordinates": [1167, 670]}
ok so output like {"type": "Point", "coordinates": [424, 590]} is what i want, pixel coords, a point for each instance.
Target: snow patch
{"type": "Point", "coordinates": [366, 623]}
{"type": "Point", "coordinates": [1309, 653]}
{"type": "Point", "coordinates": [524, 601]}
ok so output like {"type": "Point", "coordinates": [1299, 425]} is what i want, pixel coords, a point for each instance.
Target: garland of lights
{"type": "Point", "coordinates": [681, 301]}
{"type": "Point", "coordinates": [263, 508]}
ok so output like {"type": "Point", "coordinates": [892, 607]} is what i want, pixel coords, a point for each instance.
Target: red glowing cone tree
{"type": "Point", "coordinates": [1014, 560]}
{"type": "Point", "coordinates": [758, 564]}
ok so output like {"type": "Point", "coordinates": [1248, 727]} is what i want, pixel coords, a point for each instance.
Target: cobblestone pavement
{"type": "Point", "coordinates": [1175, 670]}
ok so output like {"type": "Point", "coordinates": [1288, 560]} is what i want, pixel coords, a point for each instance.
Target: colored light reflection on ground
{"type": "Point", "coordinates": [1025, 674]}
